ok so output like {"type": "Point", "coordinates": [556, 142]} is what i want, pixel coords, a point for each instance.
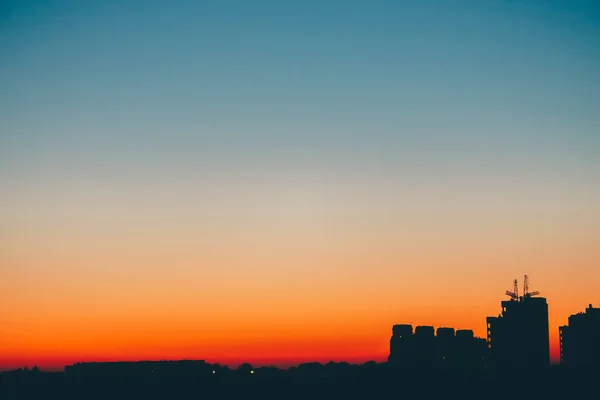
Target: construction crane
{"type": "Point", "coordinates": [514, 295]}
{"type": "Point", "coordinates": [526, 292]}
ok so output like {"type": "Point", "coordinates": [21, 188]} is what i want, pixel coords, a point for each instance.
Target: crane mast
{"type": "Point", "coordinates": [526, 292]}
{"type": "Point", "coordinates": [514, 295]}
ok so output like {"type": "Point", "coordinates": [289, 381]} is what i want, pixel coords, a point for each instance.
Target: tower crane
{"type": "Point", "coordinates": [514, 295]}
{"type": "Point", "coordinates": [526, 292]}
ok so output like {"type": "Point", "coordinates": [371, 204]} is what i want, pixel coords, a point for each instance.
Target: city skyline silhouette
{"type": "Point", "coordinates": [506, 345]}
{"type": "Point", "coordinates": [424, 362]}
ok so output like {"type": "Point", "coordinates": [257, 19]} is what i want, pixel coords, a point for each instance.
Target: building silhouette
{"type": "Point", "coordinates": [127, 368]}
{"type": "Point", "coordinates": [580, 340]}
{"type": "Point", "coordinates": [402, 351]}
{"type": "Point", "coordinates": [519, 337]}
{"type": "Point", "coordinates": [428, 348]}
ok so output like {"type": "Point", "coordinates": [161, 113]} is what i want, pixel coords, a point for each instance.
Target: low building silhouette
{"type": "Point", "coordinates": [428, 348]}
{"type": "Point", "coordinates": [519, 337]}
{"type": "Point", "coordinates": [126, 368]}
{"type": "Point", "coordinates": [580, 340]}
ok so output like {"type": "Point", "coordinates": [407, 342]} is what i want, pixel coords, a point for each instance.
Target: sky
{"type": "Point", "coordinates": [278, 182]}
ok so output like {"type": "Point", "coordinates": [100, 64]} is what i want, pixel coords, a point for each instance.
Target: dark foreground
{"type": "Point", "coordinates": [376, 382]}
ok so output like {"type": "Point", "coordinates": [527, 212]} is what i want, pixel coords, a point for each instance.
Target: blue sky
{"type": "Point", "coordinates": [408, 92]}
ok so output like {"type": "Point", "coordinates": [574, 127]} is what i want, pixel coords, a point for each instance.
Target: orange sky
{"type": "Point", "coordinates": [281, 290]}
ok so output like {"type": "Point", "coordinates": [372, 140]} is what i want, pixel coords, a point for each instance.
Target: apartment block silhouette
{"type": "Point", "coordinates": [580, 339]}
{"type": "Point", "coordinates": [428, 348]}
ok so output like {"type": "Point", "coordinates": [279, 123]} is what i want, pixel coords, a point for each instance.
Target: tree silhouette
{"type": "Point", "coordinates": [245, 368]}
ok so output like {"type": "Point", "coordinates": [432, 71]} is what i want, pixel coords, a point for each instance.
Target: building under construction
{"type": "Point", "coordinates": [426, 348]}
{"type": "Point", "coordinates": [580, 340]}
{"type": "Point", "coordinates": [519, 336]}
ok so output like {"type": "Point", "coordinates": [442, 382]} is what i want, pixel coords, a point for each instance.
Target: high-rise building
{"type": "Point", "coordinates": [424, 346]}
{"type": "Point", "coordinates": [519, 337]}
{"type": "Point", "coordinates": [580, 339]}
{"type": "Point", "coordinates": [401, 347]}
{"type": "Point", "coordinates": [469, 351]}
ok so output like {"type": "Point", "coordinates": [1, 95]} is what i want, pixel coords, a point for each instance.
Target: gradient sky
{"type": "Point", "coordinates": [273, 181]}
